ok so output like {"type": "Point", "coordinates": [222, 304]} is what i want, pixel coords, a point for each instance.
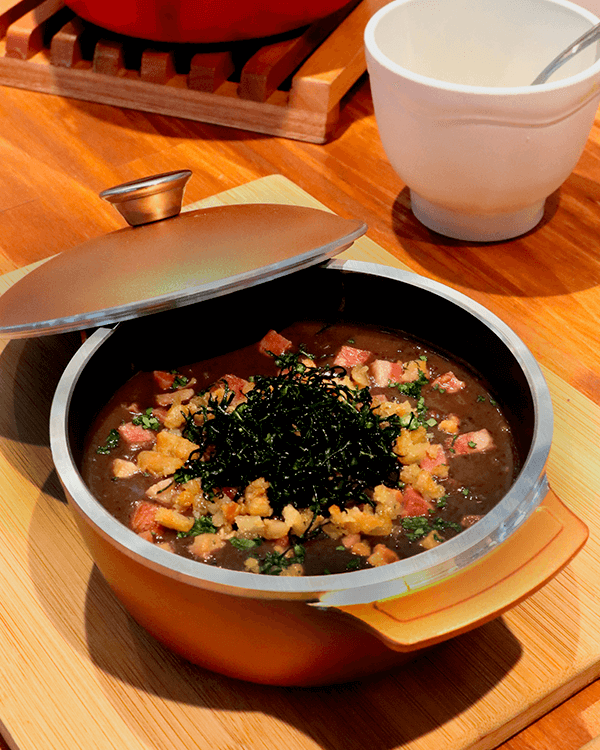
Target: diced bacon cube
{"type": "Point", "coordinates": [205, 545]}
{"type": "Point", "coordinates": [282, 544]}
{"type": "Point", "coordinates": [450, 424]}
{"type": "Point", "coordinates": [350, 539]}
{"type": "Point", "coordinates": [385, 372]}
{"type": "Point", "coordinates": [472, 442]}
{"type": "Point", "coordinates": [429, 462]}
{"type": "Point", "coordinates": [432, 540]}
{"type": "Point", "coordinates": [160, 413]}
{"type": "Point", "coordinates": [230, 492]}
{"type": "Point", "coordinates": [136, 436]}
{"type": "Point", "coordinates": [274, 343]}
{"type": "Point", "coordinates": [448, 382]}
{"type": "Point", "coordinates": [164, 380]}
{"type": "Point", "coordinates": [122, 469]}
{"type": "Point", "coordinates": [164, 492]}
{"type": "Point", "coordinates": [382, 555]}
{"type": "Point", "coordinates": [158, 487]}
{"type": "Point", "coordinates": [235, 383]}
{"type": "Point", "coordinates": [238, 386]}
{"type": "Point", "coordinates": [362, 549]}
{"type": "Point", "coordinates": [349, 356]}
{"type": "Point", "coordinates": [174, 397]}
{"type": "Point", "coordinates": [144, 518]}
{"type": "Point", "coordinates": [413, 370]}
{"type": "Point", "coordinates": [414, 504]}
{"type": "Point", "coordinates": [357, 545]}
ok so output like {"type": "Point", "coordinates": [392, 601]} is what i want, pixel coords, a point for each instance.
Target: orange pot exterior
{"type": "Point", "coordinates": [273, 642]}
{"type": "Point", "coordinates": [202, 21]}
{"type": "Point", "coordinates": [285, 641]}
{"type": "Point", "coordinates": [533, 554]}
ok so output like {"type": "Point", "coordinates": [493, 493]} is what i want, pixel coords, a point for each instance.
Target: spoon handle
{"type": "Point", "coordinates": [584, 41]}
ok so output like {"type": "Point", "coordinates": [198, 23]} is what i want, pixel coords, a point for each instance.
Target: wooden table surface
{"type": "Point", "coordinates": [56, 155]}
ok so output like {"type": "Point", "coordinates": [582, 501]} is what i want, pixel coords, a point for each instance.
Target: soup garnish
{"type": "Point", "coordinates": [314, 458]}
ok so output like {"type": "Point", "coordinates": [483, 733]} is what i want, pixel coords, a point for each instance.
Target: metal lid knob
{"type": "Point", "coordinates": [149, 198]}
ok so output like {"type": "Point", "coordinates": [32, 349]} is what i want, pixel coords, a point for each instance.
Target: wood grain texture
{"type": "Point", "coordinates": [209, 70]}
{"type": "Point", "coordinates": [328, 74]}
{"type": "Point", "coordinates": [61, 626]}
{"type": "Point", "coordinates": [25, 36]}
{"type": "Point", "coordinates": [268, 68]}
{"type": "Point", "coordinates": [65, 48]}
{"type": "Point", "coordinates": [57, 155]}
{"type": "Point", "coordinates": [108, 58]}
{"type": "Point", "coordinates": [10, 11]}
{"type": "Point", "coordinates": [43, 46]}
{"type": "Point", "coordinates": [157, 67]}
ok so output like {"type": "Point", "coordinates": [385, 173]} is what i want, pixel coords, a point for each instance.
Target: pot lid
{"type": "Point", "coordinates": [166, 259]}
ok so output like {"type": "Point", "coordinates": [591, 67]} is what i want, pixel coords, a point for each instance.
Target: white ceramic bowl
{"type": "Point", "coordinates": [479, 148]}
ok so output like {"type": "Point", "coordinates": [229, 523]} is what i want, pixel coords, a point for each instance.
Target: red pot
{"type": "Point", "coordinates": [203, 21]}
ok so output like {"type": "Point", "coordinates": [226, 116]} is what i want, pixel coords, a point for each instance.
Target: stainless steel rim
{"type": "Point", "coordinates": [361, 586]}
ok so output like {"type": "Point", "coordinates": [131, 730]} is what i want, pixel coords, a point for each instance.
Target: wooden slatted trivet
{"type": "Point", "coordinates": [289, 86]}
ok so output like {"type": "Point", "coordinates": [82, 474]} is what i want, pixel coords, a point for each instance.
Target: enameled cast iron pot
{"type": "Point", "coordinates": [284, 630]}
{"type": "Point", "coordinates": [203, 21]}
{"type": "Point", "coordinates": [323, 629]}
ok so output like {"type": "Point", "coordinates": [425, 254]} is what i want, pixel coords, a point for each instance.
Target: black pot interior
{"type": "Point", "coordinates": [184, 335]}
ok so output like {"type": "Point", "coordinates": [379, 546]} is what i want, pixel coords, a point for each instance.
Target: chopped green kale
{"type": "Point", "coordinates": [112, 441]}
{"type": "Point", "coordinates": [202, 525]}
{"type": "Point", "coordinates": [147, 420]}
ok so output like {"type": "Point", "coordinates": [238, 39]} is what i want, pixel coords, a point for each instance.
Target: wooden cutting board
{"type": "Point", "coordinates": [77, 672]}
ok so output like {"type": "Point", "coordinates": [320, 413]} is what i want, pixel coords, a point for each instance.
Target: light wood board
{"type": "Point", "coordinates": [76, 672]}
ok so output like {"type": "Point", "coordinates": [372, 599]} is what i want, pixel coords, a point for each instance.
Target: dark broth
{"type": "Point", "coordinates": [476, 482]}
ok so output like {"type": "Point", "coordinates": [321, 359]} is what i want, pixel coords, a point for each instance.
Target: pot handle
{"type": "Point", "coordinates": [517, 568]}
{"type": "Point", "coordinates": [149, 198]}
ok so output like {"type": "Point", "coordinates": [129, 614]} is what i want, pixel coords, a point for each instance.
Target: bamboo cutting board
{"type": "Point", "coordinates": [77, 672]}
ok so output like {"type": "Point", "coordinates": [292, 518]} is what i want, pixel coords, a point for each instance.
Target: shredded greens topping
{"type": "Point", "coordinates": [316, 441]}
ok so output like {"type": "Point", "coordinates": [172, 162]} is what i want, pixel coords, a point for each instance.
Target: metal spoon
{"type": "Point", "coordinates": [579, 44]}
